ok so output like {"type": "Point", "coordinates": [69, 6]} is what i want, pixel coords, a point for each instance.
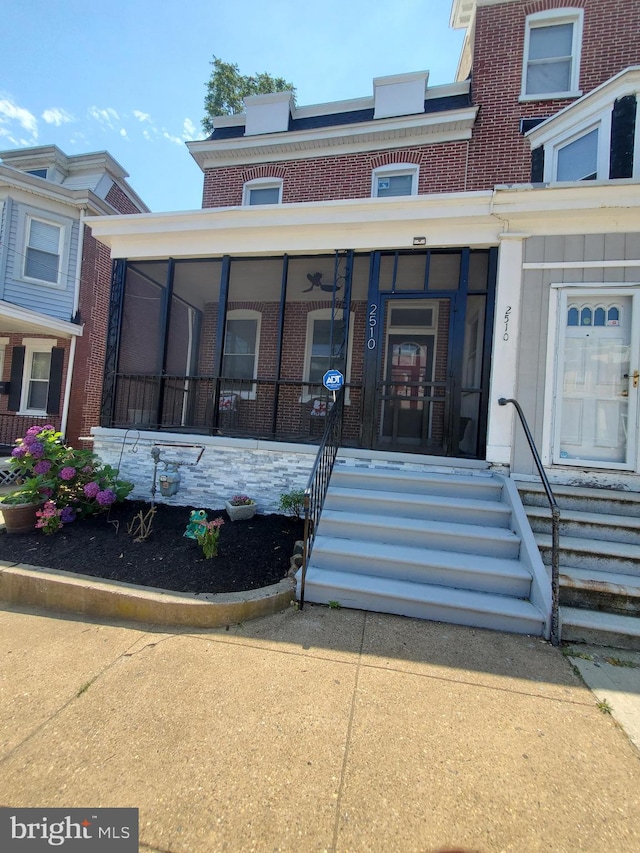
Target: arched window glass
{"type": "Point", "coordinates": [585, 317]}
{"type": "Point", "coordinates": [598, 318]}
{"type": "Point", "coordinates": [573, 317]}
{"type": "Point", "coordinates": [613, 316]}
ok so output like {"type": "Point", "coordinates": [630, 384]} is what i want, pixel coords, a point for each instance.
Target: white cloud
{"type": "Point", "coordinates": [11, 113]}
{"type": "Point", "coordinates": [105, 116]}
{"type": "Point", "coordinates": [189, 129]}
{"type": "Point", "coordinates": [123, 132]}
{"type": "Point", "coordinates": [146, 134]}
{"type": "Point", "coordinates": [177, 139]}
{"type": "Point", "coordinates": [141, 116]}
{"type": "Point", "coordinates": [57, 116]}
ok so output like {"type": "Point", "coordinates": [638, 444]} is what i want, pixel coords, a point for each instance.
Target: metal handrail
{"type": "Point", "coordinates": [555, 522]}
{"type": "Point", "coordinates": [318, 482]}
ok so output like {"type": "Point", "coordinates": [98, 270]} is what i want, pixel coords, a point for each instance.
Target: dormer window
{"type": "Point", "coordinates": [263, 191]}
{"type": "Point", "coordinates": [394, 180]}
{"type": "Point", "coordinates": [37, 173]}
{"type": "Point", "coordinates": [552, 54]}
{"type": "Point", "coordinates": [578, 160]}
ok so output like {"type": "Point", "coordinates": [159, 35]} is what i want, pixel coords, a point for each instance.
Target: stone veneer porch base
{"type": "Point", "coordinates": [81, 594]}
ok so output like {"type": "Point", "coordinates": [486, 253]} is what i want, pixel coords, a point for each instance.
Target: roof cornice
{"type": "Point", "coordinates": [424, 128]}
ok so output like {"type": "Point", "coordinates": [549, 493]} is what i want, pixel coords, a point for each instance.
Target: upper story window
{"type": "Point", "coordinates": [263, 191]}
{"type": "Point", "coordinates": [394, 180]}
{"type": "Point", "coordinates": [552, 54]}
{"type": "Point", "coordinates": [42, 250]}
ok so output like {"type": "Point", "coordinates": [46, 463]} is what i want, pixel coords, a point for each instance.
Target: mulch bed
{"type": "Point", "coordinates": [252, 553]}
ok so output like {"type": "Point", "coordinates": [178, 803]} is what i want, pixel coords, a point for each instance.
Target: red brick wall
{"type": "Point", "coordinates": [610, 42]}
{"type": "Point", "coordinates": [122, 203]}
{"type": "Point", "coordinates": [442, 169]}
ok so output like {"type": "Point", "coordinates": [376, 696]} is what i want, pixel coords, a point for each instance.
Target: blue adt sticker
{"type": "Point", "coordinates": [333, 380]}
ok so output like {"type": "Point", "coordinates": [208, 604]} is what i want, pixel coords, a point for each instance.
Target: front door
{"type": "Point", "coordinates": [407, 417]}
{"type": "Point", "coordinates": [598, 380]}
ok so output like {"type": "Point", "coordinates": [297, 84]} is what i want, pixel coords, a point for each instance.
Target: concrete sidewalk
{"type": "Point", "coordinates": [327, 730]}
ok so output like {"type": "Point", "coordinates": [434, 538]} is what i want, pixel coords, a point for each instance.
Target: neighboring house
{"type": "Point", "coordinates": [54, 286]}
{"type": "Point", "coordinates": [443, 246]}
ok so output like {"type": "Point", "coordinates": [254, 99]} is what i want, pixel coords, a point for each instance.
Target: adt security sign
{"type": "Point", "coordinates": [333, 380]}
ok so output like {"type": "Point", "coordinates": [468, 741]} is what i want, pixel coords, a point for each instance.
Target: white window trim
{"type": "Point", "coordinates": [549, 18]}
{"type": "Point", "coordinates": [391, 170]}
{"type": "Point", "coordinates": [312, 316]}
{"type": "Point", "coordinates": [261, 184]}
{"type": "Point", "coordinates": [246, 314]}
{"type": "Point", "coordinates": [32, 346]}
{"type": "Point", "coordinates": [28, 216]}
{"type": "Point", "coordinates": [4, 343]}
{"type": "Point", "coordinates": [603, 125]}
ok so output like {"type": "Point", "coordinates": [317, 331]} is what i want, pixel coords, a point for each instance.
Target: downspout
{"type": "Point", "coordinates": [76, 304]}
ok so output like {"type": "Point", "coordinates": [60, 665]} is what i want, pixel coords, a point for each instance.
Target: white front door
{"type": "Point", "coordinates": [597, 394]}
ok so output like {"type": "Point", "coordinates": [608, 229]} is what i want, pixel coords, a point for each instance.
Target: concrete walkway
{"type": "Point", "coordinates": [330, 730]}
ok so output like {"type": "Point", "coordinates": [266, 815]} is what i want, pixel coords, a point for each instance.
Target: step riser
{"type": "Point", "coordinates": [588, 530]}
{"type": "Point", "coordinates": [576, 504]}
{"type": "Point", "coordinates": [607, 602]}
{"type": "Point", "coordinates": [420, 610]}
{"type": "Point", "coordinates": [484, 489]}
{"type": "Point", "coordinates": [434, 574]}
{"type": "Point", "coordinates": [440, 540]}
{"type": "Point", "coordinates": [489, 517]}
{"type": "Point", "coordinates": [595, 637]}
{"type": "Point", "coordinates": [592, 562]}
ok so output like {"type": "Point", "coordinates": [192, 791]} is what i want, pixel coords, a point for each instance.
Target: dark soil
{"type": "Point", "coordinates": [251, 554]}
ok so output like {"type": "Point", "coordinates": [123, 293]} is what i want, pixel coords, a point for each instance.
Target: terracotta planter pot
{"type": "Point", "coordinates": [240, 513]}
{"type": "Point", "coordinates": [19, 518]}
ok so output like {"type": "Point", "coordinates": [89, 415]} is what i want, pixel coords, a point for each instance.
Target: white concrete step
{"type": "Point", "coordinates": [423, 601]}
{"type": "Point", "coordinates": [446, 536]}
{"type": "Point", "coordinates": [490, 513]}
{"type": "Point", "coordinates": [593, 525]}
{"type": "Point", "coordinates": [600, 629]}
{"type": "Point", "coordinates": [593, 554]}
{"type": "Point", "coordinates": [481, 486]}
{"type": "Point", "coordinates": [581, 498]}
{"type": "Point", "coordinates": [420, 565]}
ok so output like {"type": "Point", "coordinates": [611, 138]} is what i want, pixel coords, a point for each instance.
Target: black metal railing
{"type": "Point", "coordinates": [555, 522]}
{"type": "Point", "coordinates": [318, 482]}
{"type": "Point", "coordinates": [263, 408]}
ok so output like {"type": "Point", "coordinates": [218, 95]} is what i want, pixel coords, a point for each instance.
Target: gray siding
{"type": "Point", "coordinates": [532, 351]}
{"type": "Point", "coordinates": [53, 301]}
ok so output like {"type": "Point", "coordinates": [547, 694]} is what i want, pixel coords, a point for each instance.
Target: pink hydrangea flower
{"type": "Point", "coordinates": [67, 473]}
{"type": "Point", "coordinates": [91, 489]}
{"type": "Point", "coordinates": [105, 498]}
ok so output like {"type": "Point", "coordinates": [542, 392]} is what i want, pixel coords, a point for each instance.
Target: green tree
{"type": "Point", "coordinates": [227, 89]}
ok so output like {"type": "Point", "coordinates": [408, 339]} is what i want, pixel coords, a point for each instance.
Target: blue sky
{"type": "Point", "coordinates": [129, 76]}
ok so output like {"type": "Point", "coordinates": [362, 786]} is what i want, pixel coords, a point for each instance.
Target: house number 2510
{"type": "Point", "coordinates": [373, 322]}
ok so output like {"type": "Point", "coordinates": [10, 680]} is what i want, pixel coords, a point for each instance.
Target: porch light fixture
{"type": "Point", "coordinates": [419, 241]}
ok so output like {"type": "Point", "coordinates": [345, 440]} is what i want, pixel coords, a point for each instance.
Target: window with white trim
{"type": "Point", "coordinates": [241, 351]}
{"type": "Point", "coordinates": [42, 250]}
{"type": "Point", "coordinates": [394, 180]}
{"type": "Point", "coordinates": [552, 46]}
{"type": "Point", "coordinates": [262, 191]}
{"type": "Point", "coordinates": [578, 160]}
{"type": "Point", "coordinates": [35, 377]}
{"type": "Point", "coordinates": [323, 352]}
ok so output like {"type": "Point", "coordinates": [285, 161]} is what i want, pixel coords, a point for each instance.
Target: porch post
{"type": "Point", "coordinates": [506, 334]}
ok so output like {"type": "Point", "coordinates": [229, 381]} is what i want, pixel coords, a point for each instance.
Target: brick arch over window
{"type": "Point", "coordinates": [546, 5]}
{"type": "Point", "coordinates": [399, 157]}
{"type": "Point", "coordinates": [268, 171]}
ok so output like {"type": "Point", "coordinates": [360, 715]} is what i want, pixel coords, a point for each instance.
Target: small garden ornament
{"type": "Point", "coordinates": [197, 519]}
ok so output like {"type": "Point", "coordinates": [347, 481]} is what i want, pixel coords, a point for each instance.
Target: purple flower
{"type": "Point", "coordinates": [47, 426]}
{"type": "Point", "coordinates": [67, 473]}
{"type": "Point", "coordinates": [67, 515]}
{"type": "Point", "coordinates": [91, 489]}
{"type": "Point", "coordinates": [34, 430]}
{"type": "Point", "coordinates": [19, 452]}
{"type": "Point", "coordinates": [47, 492]}
{"type": "Point", "coordinates": [105, 498]}
{"type": "Point", "coordinates": [29, 440]}
{"type": "Point", "coordinates": [36, 450]}
{"type": "Point", "coordinates": [42, 466]}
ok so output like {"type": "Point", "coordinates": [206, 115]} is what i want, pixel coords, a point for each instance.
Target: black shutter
{"type": "Point", "coordinates": [623, 128]}
{"type": "Point", "coordinates": [55, 381]}
{"type": "Point", "coordinates": [537, 165]}
{"type": "Point", "coordinates": [17, 369]}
